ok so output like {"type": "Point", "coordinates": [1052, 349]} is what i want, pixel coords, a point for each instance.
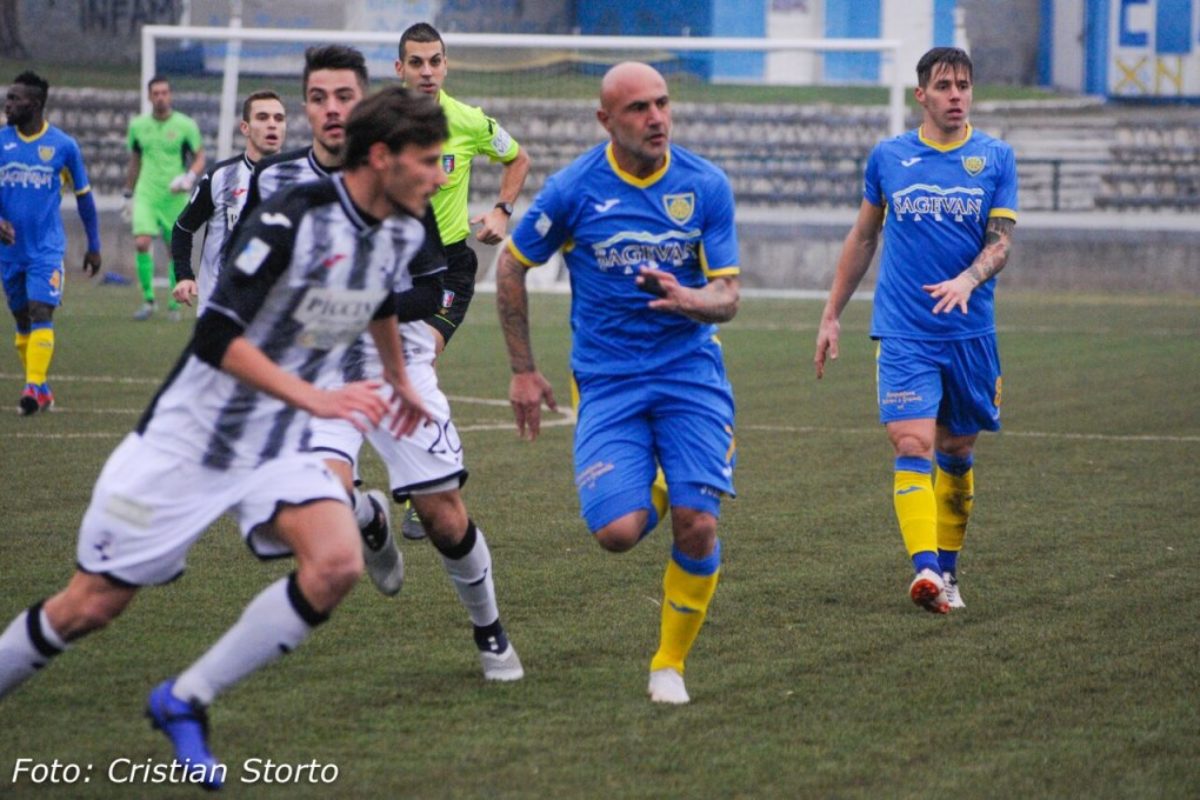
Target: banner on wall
{"type": "Point", "coordinates": [1154, 49]}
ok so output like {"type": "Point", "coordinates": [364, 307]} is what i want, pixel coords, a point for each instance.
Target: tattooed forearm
{"type": "Point", "coordinates": [512, 301]}
{"type": "Point", "coordinates": [994, 255]}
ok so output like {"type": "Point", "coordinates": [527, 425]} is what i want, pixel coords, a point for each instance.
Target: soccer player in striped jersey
{"type": "Point", "coordinates": [217, 200]}
{"type": "Point", "coordinates": [647, 232]}
{"type": "Point", "coordinates": [948, 193]}
{"type": "Point", "coordinates": [229, 429]}
{"type": "Point", "coordinates": [427, 466]}
{"type": "Point", "coordinates": [38, 161]}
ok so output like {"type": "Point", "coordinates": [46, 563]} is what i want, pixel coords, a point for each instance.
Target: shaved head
{"type": "Point", "coordinates": [636, 112]}
{"type": "Point", "coordinates": [628, 77]}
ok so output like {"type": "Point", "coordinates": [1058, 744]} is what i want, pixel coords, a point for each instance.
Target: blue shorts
{"type": "Point", "coordinates": [680, 417]}
{"type": "Point", "coordinates": [40, 281]}
{"type": "Point", "coordinates": [957, 382]}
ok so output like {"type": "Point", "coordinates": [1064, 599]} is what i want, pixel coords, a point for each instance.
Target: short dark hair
{"type": "Point", "coordinates": [397, 117]}
{"type": "Point", "coordinates": [157, 79]}
{"type": "Point", "coordinates": [335, 56]}
{"type": "Point", "coordinates": [952, 57]}
{"type": "Point", "coordinates": [40, 86]}
{"type": "Point", "coordinates": [261, 94]}
{"type": "Point", "coordinates": [420, 32]}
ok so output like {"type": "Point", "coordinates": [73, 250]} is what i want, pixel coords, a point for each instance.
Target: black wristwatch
{"type": "Point", "coordinates": [507, 208]}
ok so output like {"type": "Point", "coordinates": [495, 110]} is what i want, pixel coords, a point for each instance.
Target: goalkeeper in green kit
{"type": "Point", "coordinates": [167, 157]}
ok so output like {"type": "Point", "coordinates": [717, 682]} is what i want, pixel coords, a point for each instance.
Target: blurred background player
{"type": "Point", "coordinates": [228, 429]}
{"type": "Point", "coordinates": [335, 79]}
{"type": "Point", "coordinates": [35, 160]}
{"type": "Point", "coordinates": [422, 65]}
{"type": "Point", "coordinates": [949, 195]}
{"type": "Point", "coordinates": [218, 198]}
{"type": "Point", "coordinates": [653, 261]}
{"type": "Point", "coordinates": [166, 159]}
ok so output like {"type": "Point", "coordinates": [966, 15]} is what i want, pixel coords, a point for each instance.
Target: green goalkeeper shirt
{"type": "Point", "coordinates": [166, 148]}
{"type": "Point", "coordinates": [472, 133]}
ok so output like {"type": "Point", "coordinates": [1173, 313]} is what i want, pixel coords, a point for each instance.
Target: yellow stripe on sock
{"type": "Point", "coordinates": [685, 605]}
{"type": "Point", "coordinates": [38, 354]}
{"type": "Point", "coordinates": [916, 510]}
{"type": "Point", "coordinates": [955, 496]}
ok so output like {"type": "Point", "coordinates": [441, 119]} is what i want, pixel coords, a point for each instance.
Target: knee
{"type": "Point", "coordinates": [142, 244]}
{"type": "Point", "coordinates": [695, 532]}
{"type": "Point", "coordinates": [39, 312]}
{"type": "Point", "coordinates": [622, 534]}
{"type": "Point", "coordinates": [444, 518]}
{"type": "Point", "coordinates": [74, 616]}
{"type": "Point", "coordinates": [333, 574]}
{"type": "Point", "coordinates": [909, 445]}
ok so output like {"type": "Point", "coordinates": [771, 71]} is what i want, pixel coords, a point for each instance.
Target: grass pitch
{"type": "Point", "coordinates": [1073, 672]}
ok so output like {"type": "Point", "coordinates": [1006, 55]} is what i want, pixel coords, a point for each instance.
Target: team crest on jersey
{"type": "Point", "coordinates": [45, 153]}
{"type": "Point", "coordinates": [680, 207]}
{"type": "Point", "coordinates": [448, 163]}
{"type": "Point", "coordinates": [974, 164]}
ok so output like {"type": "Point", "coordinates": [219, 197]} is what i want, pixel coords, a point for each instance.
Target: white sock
{"type": "Point", "coordinates": [364, 511]}
{"type": "Point", "coordinates": [274, 623]}
{"type": "Point", "coordinates": [471, 574]}
{"type": "Point", "coordinates": [20, 655]}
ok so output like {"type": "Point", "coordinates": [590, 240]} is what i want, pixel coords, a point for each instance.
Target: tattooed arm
{"type": "Point", "coordinates": [528, 388]}
{"type": "Point", "coordinates": [955, 292]}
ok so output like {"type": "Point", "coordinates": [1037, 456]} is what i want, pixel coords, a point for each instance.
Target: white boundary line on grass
{"type": "Point", "coordinates": [566, 417]}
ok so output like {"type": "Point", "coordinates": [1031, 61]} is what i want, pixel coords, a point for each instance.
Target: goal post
{"type": "Point", "coordinates": [649, 48]}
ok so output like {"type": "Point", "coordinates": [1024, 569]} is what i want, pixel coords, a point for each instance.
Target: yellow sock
{"type": "Point", "coordinates": [955, 497]}
{"type": "Point", "coordinates": [686, 596]}
{"type": "Point", "coordinates": [916, 508]}
{"type": "Point", "coordinates": [21, 340]}
{"type": "Point", "coordinates": [660, 499]}
{"type": "Point", "coordinates": [39, 351]}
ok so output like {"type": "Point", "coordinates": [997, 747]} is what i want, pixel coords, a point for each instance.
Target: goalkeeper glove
{"type": "Point", "coordinates": [184, 182]}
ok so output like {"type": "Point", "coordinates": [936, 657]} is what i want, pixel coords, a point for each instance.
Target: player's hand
{"type": "Point", "coordinates": [951, 294]}
{"type": "Point", "coordinates": [91, 263]}
{"type": "Point", "coordinates": [184, 291]}
{"type": "Point", "coordinates": [127, 208]}
{"type": "Point", "coordinates": [827, 344]}
{"type": "Point", "coordinates": [493, 226]}
{"type": "Point", "coordinates": [8, 234]}
{"type": "Point", "coordinates": [670, 294]}
{"type": "Point", "coordinates": [407, 409]}
{"type": "Point", "coordinates": [526, 392]}
{"type": "Point", "coordinates": [358, 403]}
{"type": "Point", "coordinates": [183, 183]}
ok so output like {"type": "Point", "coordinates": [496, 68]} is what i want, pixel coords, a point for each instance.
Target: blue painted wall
{"type": "Point", "coordinates": [852, 19]}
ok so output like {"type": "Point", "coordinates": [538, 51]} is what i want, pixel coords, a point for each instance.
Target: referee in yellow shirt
{"type": "Point", "coordinates": [422, 66]}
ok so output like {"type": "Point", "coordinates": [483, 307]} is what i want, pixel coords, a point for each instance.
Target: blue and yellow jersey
{"type": "Point", "coordinates": [938, 200]}
{"type": "Point", "coordinates": [609, 224]}
{"type": "Point", "coordinates": [34, 172]}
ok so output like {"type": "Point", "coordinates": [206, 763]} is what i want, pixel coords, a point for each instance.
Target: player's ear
{"type": "Point", "coordinates": [602, 118]}
{"type": "Point", "coordinates": [400, 68]}
{"type": "Point", "coordinates": [377, 155]}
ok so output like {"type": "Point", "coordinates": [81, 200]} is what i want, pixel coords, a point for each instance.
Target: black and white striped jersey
{"type": "Point", "coordinates": [216, 202]}
{"type": "Point", "coordinates": [306, 273]}
{"type": "Point", "coordinates": [284, 169]}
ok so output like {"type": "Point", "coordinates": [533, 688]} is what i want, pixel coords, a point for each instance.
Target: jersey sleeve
{"type": "Point", "coordinates": [544, 228]}
{"type": "Point", "coordinates": [259, 254]}
{"type": "Point", "coordinates": [719, 242]}
{"type": "Point", "coordinates": [494, 141]}
{"type": "Point", "coordinates": [131, 140]}
{"type": "Point", "coordinates": [197, 212]}
{"type": "Point", "coordinates": [1004, 202]}
{"type": "Point", "coordinates": [872, 190]}
{"type": "Point", "coordinates": [76, 170]}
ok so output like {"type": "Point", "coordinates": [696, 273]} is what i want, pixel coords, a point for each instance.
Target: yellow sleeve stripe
{"type": "Point", "coordinates": [519, 256]}
{"type": "Point", "coordinates": [83, 191]}
{"type": "Point", "coordinates": [1003, 213]}
{"type": "Point", "coordinates": [723, 272]}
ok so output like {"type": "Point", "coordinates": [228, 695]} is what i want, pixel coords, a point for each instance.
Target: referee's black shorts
{"type": "Point", "coordinates": [459, 283]}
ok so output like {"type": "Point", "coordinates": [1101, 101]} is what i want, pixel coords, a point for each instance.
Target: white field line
{"type": "Point", "coordinates": [566, 416]}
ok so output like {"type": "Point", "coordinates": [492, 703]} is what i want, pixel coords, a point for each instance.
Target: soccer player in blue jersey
{"type": "Point", "coordinates": [647, 231]}
{"type": "Point", "coordinates": [37, 161]}
{"type": "Point", "coordinates": [949, 196]}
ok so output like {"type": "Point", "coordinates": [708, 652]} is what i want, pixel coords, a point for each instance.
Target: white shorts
{"type": "Point", "coordinates": [430, 459]}
{"type": "Point", "coordinates": [149, 507]}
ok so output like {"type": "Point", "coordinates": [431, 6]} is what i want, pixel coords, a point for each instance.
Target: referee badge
{"type": "Point", "coordinates": [447, 163]}
{"type": "Point", "coordinates": [680, 207]}
{"type": "Point", "coordinates": [974, 164]}
{"type": "Point", "coordinates": [45, 153]}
